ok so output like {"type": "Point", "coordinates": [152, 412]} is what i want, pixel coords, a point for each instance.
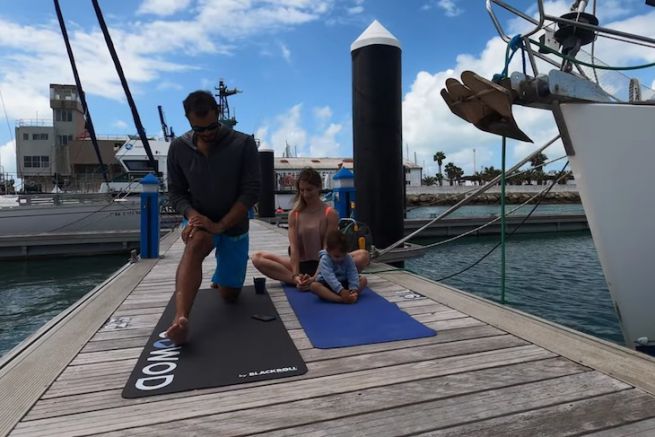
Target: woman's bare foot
{"type": "Point", "coordinates": [348, 296]}
{"type": "Point", "coordinates": [178, 331]}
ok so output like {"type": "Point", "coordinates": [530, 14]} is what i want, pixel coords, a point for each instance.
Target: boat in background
{"type": "Point", "coordinates": [599, 127]}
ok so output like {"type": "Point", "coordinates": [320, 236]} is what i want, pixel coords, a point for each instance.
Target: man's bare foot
{"type": "Point", "coordinates": [178, 331]}
{"type": "Point", "coordinates": [347, 296]}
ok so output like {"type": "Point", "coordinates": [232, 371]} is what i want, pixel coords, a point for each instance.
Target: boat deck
{"type": "Point", "coordinates": [489, 371]}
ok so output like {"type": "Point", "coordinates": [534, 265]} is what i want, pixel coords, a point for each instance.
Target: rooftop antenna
{"type": "Point", "coordinates": [88, 121]}
{"type": "Point", "coordinates": [168, 132]}
{"type": "Point", "coordinates": [126, 88]}
{"type": "Point", "coordinates": [223, 107]}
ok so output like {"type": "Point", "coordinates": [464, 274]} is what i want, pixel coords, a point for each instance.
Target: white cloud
{"type": "Point", "coordinates": [288, 130]}
{"type": "Point", "coordinates": [323, 113]}
{"type": "Point", "coordinates": [169, 85]}
{"type": "Point", "coordinates": [450, 7]}
{"type": "Point", "coordinates": [429, 126]}
{"type": "Point", "coordinates": [8, 159]}
{"type": "Point", "coordinates": [286, 53]}
{"type": "Point", "coordinates": [325, 144]}
{"type": "Point", "coordinates": [355, 10]}
{"type": "Point", "coordinates": [35, 55]}
{"type": "Point", "coordinates": [163, 7]}
{"type": "Point", "coordinates": [120, 124]}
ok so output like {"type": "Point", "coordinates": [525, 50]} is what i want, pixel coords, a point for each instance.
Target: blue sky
{"type": "Point", "coordinates": [292, 60]}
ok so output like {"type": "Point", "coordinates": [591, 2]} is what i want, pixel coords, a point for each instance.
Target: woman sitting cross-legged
{"type": "Point", "coordinates": [337, 279]}
{"type": "Point", "coordinates": [310, 220]}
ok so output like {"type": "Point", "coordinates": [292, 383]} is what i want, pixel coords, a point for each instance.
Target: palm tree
{"type": "Point", "coordinates": [453, 173]}
{"type": "Point", "coordinates": [428, 180]}
{"type": "Point", "coordinates": [439, 158]}
{"type": "Point", "coordinates": [488, 173]}
{"type": "Point", "coordinates": [537, 162]}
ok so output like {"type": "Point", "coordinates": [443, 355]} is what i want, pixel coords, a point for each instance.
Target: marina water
{"type": "Point", "coordinates": [555, 276]}
{"type": "Point", "coordinates": [35, 291]}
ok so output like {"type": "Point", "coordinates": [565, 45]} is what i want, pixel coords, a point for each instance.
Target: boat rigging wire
{"type": "Point", "coordinates": [465, 200]}
{"type": "Point", "coordinates": [88, 121]}
{"type": "Point", "coordinates": [591, 64]}
{"type": "Point", "coordinates": [479, 228]}
{"type": "Point", "coordinates": [126, 88]}
{"type": "Point", "coordinates": [561, 173]}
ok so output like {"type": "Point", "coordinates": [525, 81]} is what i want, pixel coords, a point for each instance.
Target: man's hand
{"type": "Point", "coordinates": [201, 222]}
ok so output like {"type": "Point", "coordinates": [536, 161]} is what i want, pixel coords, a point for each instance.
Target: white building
{"type": "Point", "coordinates": [58, 151]}
{"type": "Point", "coordinates": [287, 169]}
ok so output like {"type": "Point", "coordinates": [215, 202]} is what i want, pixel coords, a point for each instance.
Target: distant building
{"type": "Point", "coordinates": [288, 168]}
{"type": "Point", "coordinates": [58, 153]}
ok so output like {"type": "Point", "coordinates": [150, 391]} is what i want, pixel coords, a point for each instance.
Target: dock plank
{"type": "Point", "coordinates": [567, 419]}
{"type": "Point", "coordinates": [441, 413]}
{"type": "Point", "coordinates": [489, 371]}
{"type": "Point", "coordinates": [151, 413]}
{"type": "Point", "coordinates": [402, 408]}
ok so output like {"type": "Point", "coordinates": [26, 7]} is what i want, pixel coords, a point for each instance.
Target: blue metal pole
{"type": "Point", "coordinates": [150, 217]}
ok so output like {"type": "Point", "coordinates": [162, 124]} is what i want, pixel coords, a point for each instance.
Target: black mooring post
{"type": "Point", "coordinates": [377, 133]}
{"type": "Point", "coordinates": [266, 206]}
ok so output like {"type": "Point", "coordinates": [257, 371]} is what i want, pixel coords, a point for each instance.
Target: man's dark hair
{"type": "Point", "coordinates": [335, 239]}
{"type": "Point", "coordinates": [200, 103]}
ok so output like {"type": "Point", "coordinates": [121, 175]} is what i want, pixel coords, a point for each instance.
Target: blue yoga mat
{"type": "Point", "coordinates": [372, 319]}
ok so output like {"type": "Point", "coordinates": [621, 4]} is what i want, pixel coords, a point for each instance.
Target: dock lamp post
{"type": "Point", "coordinates": [344, 193]}
{"type": "Point", "coordinates": [150, 216]}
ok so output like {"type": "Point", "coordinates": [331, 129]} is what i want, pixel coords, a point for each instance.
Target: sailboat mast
{"type": "Point", "coordinates": [126, 88]}
{"type": "Point", "coordinates": [87, 114]}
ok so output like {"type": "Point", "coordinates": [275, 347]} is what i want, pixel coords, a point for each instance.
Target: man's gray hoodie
{"type": "Point", "coordinates": [211, 185]}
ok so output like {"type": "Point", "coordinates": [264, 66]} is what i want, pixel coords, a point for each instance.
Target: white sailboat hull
{"type": "Point", "coordinates": [83, 217]}
{"type": "Point", "coordinates": [613, 160]}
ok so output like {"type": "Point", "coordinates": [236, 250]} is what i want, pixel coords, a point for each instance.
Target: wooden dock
{"type": "Point", "coordinates": [490, 371]}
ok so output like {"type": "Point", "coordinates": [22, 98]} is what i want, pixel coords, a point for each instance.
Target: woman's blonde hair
{"type": "Point", "coordinates": [310, 176]}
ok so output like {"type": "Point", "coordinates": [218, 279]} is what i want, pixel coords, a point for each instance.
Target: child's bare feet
{"type": "Point", "coordinates": [347, 296]}
{"type": "Point", "coordinates": [178, 330]}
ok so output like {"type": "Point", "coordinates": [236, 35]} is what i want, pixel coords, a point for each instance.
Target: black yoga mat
{"type": "Point", "coordinates": [227, 344]}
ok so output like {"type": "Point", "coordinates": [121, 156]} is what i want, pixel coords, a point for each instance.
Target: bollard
{"type": "Point", "coordinates": [150, 217]}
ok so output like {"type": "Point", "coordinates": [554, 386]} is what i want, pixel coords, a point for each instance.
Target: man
{"type": "Point", "coordinates": [213, 178]}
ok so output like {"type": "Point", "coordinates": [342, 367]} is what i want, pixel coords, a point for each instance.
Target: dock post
{"type": "Point", "coordinates": [377, 133]}
{"type": "Point", "coordinates": [150, 217]}
{"type": "Point", "coordinates": [344, 193]}
{"type": "Point", "coordinates": [266, 206]}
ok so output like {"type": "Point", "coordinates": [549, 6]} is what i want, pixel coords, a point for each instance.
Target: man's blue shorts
{"type": "Point", "coordinates": [231, 259]}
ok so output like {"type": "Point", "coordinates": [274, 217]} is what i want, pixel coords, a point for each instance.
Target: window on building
{"type": "Point", "coordinates": [36, 161]}
{"type": "Point", "coordinates": [63, 140]}
{"type": "Point", "coordinates": [63, 115]}
{"type": "Point", "coordinates": [26, 136]}
{"type": "Point", "coordinates": [40, 137]}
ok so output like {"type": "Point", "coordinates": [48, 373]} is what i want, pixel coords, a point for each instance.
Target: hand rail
{"type": "Point", "coordinates": [538, 23]}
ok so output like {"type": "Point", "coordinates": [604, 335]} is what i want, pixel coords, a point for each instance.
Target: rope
{"type": "Point", "coordinates": [465, 200]}
{"type": "Point", "coordinates": [512, 46]}
{"type": "Point", "coordinates": [479, 228]}
{"type": "Point", "coordinates": [561, 173]}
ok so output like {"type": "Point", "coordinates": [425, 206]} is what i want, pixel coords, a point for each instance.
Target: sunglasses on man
{"type": "Point", "coordinates": [201, 129]}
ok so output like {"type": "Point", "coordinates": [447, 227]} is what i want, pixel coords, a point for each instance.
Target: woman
{"type": "Point", "coordinates": [310, 220]}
